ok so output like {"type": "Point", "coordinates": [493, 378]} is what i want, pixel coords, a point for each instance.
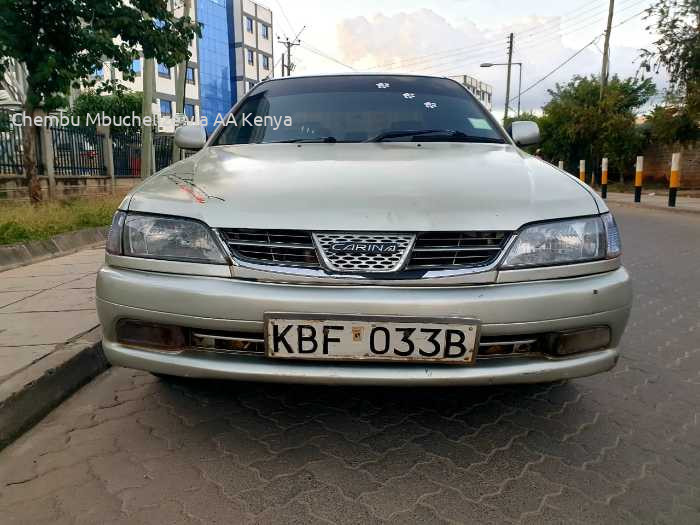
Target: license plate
{"type": "Point", "coordinates": [371, 338]}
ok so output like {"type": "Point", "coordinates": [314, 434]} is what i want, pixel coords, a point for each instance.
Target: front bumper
{"type": "Point", "coordinates": [238, 306]}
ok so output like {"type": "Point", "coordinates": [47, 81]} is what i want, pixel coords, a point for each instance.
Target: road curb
{"type": "Point", "coordinates": [15, 255]}
{"type": "Point", "coordinates": [652, 207]}
{"type": "Point", "coordinates": [29, 395]}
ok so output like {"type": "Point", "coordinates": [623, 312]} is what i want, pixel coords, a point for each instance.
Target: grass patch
{"type": "Point", "coordinates": [22, 222]}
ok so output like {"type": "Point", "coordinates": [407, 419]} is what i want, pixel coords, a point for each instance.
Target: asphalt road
{"type": "Point", "coordinates": [621, 447]}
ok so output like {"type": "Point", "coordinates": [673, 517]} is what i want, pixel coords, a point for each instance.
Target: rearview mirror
{"type": "Point", "coordinates": [525, 132]}
{"type": "Point", "coordinates": [190, 137]}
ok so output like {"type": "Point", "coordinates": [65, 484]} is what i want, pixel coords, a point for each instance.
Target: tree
{"type": "Point", "coordinates": [677, 50]}
{"type": "Point", "coordinates": [577, 125]}
{"type": "Point", "coordinates": [62, 42]}
{"type": "Point", "coordinates": [119, 104]}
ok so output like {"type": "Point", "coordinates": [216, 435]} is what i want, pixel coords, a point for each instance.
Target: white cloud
{"type": "Point", "coordinates": [397, 42]}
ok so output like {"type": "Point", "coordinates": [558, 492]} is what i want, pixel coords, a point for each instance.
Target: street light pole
{"type": "Point", "coordinates": [520, 83]}
{"type": "Point", "coordinates": [520, 76]}
{"type": "Point", "coordinates": [510, 60]}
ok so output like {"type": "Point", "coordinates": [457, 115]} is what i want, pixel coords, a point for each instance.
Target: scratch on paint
{"type": "Point", "coordinates": [188, 186]}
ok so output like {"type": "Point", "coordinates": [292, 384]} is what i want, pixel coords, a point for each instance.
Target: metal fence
{"type": "Point", "coordinates": [78, 151]}
{"type": "Point", "coordinates": [11, 145]}
{"type": "Point", "coordinates": [126, 152]}
{"type": "Point", "coordinates": [163, 146]}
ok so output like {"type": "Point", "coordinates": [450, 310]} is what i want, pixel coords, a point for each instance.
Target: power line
{"type": "Point", "coordinates": [537, 42]}
{"type": "Point", "coordinates": [532, 45]}
{"type": "Point", "coordinates": [558, 67]}
{"type": "Point", "coordinates": [456, 50]}
{"type": "Point", "coordinates": [284, 14]}
{"type": "Point", "coordinates": [326, 56]}
{"type": "Point", "coordinates": [575, 55]}
{"type": "Point", "coordinates": [531, 39]}
{"type": "Point", "coordinates": [413, 62]}
{"type": "Point", "coordinates": [289, 44]}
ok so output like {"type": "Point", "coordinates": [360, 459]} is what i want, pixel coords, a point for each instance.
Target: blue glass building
{"type": "Point", "coordinates": [217, 59]}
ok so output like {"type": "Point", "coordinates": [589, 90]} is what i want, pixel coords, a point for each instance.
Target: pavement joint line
{"type": "Point", "coordinates": [47, 312]}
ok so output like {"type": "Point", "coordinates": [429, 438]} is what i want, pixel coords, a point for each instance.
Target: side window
{"type": "Point", "coordinates": [163, 70]}
{"type": "Point", "coordinates": [166, 108]}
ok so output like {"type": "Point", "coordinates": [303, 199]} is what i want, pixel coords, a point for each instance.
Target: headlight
{"type": "Point", "coordinates": [168, 238]}
{"type": "Point", "coordinates": [564, 242]}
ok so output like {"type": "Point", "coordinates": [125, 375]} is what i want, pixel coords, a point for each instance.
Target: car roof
{"type": "Point", "coordinates": [354, 74]}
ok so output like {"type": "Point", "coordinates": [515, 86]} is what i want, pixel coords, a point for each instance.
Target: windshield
{"type": "Point", "coordinates": [359, 108]}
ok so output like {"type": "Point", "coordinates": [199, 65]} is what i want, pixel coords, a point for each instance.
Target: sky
{"type": "Point", "coordinates": [453, 37]}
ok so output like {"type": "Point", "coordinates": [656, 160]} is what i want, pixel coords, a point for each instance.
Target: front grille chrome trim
{"type": "Point", "coordinates": [251, 270]}
{"type": "Point", "coordinates": [336, 265]}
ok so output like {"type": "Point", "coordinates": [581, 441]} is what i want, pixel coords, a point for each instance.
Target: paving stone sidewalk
{"type": "Point", "coordinates": [44, 306]}
{"type": "Point", "coordinates": [621, 447]}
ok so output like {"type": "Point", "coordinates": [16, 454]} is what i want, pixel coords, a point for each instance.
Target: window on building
{"type": "Point", "coordinates": [266, 62]}
{"type": "Point", "coordinates": [163, 70]}
{"type": "Point", "coordinates": [166, 108]}
{"type": "Point", "coordinates": [248, 24]}
{"type": "Point", "coordinates": [265, 31]}
{"type": "Point", "coordinates": [189, 111]}
{"type": "Point", "coordinates": [189, 75]}
{"type": "Point", "coordinates": [99, 72]}
{"type": "Point", "coordinates": [250, 58]}
{"type": "Point", "coordinates": [136, 66]}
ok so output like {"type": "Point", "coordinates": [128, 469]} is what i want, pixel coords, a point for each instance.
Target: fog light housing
{"type": "Point", "coordinates": [163, 337]}
{"type": "Point", "coordinates": [577, 341]}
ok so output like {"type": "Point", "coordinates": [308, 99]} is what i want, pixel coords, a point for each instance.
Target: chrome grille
{"type": "Point", "coordinates": [361, 257]}
{"type": "Point", "coordinates": [424, 251]}
{"type": "Point", "coordinates": [284, 247]}
{"type": "Point", "coordinates": [446, 250]}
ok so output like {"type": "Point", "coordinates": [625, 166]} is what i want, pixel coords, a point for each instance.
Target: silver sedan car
{"type": "Point", "coordinates": [363, 229]}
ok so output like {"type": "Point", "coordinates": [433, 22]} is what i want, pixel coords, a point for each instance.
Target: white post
{"type": "Point", "coordinates": [147, 111]}
{"type": "Point", "coordinates": [108, 155]}
{"type": "Point", "coordinates": [561, 164]}
{"type": "Point", "coordinates": [47, 157]}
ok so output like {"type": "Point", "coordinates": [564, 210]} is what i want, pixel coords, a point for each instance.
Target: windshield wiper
{"type": "Point", "coordinates": [457, 136]}
{"type": "Point", "coordinates": [328, 140]}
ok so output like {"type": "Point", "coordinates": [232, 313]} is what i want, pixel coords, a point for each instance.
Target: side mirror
{"type": "Point", "coordinates": [525, 132]}
{"type": "Point", "coordinates": [190, 137]}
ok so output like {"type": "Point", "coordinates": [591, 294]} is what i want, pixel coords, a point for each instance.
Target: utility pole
{"type": "Point", "coordinates": [510, 63]}
{"type": "Point", "coordinates": [282, 66]}
{"type": "Point", "coordinates": [146, 111]}
{"type": "Point", "coordinates": [520, 84]}
{"type": "Point", "coordinates": [289, 44]}
{"type": "Point", "coordinates": [180, 87]}
{"type": "Point", "coordinates": [606, 51]}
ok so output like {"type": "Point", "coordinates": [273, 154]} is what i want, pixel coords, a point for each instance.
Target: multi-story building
{"type": "Point", "coordinates": [479, 89]}
{"type": "Point", "coordinates": [164, 95]}
{"type": "Point", "coordinates": [232, 55]}
{"type": "Point", "coordinates": [235, 52]}
{"type": "Point", "coordinates": [253, 43]}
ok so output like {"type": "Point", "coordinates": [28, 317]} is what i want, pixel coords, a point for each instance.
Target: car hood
{"type": "Point", "coordinates": [365, 186]}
